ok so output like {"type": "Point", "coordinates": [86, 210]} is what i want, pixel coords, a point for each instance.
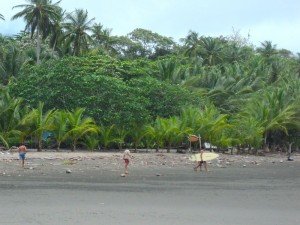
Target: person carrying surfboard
{"type": "Point", "coordinates": [201, 162]}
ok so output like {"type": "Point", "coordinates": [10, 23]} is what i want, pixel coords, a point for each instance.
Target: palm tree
{"type": "Point", "coordinates": [91, 141]}
{"type": "Point", "coordinates": [60, 127]}
{"type": "Point", "coordinates": [267, 50]}
{"type": "Point", "coordinates": [211, 50]}
{"type": "Point", "coordinates": [191, 44]}
{"type": "Point", "coordinates": [80, 126]}
{"type": "Point", "coordinates": [102, 38]}
{"type": "Point", "coordinates": [39, 16]}
{"type": "Point", "coordinates": [11, 113]}
{"type": "Point", "coordinates": [169, 71]}
{"type": "Point", "coordinates": [121, 134]}
{"type": "Point", "coordinates": [107, 135]}
{"type": "Point", "coordinates": [57, 34]}
{"type": "Point", "coordinates": [297, 64]}
{"type": "Point", "coordinates": [77, 26]}
{"type": "Point", "coordinates": [246, 131]}
{"type": "Point", "coordinates": [39, 122]}
{"type": "Point", "coordinates": [173, 131]}
{"type": "Point", "coordinates": [275, 110]}
{"type": "Point", "coordinates": [136, 135]}
{"type": "Point", "coordinates": [207, 122]}
{"type": "Point", "coordinates": [12, 59]}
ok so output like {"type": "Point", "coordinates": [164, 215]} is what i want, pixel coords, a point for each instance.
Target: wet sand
{"type": "Point", "coordinates": [160, 189]}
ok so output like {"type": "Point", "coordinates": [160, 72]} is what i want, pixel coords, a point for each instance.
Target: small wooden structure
{"type": "Point", "coordinates": [194, 138]}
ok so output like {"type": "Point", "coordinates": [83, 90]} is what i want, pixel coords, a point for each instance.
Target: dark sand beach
{"type": "Point", "coordinates": [160, 189]}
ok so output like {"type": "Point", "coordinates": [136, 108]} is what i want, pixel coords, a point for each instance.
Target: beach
{"type": "Point", "coordinates": [161, 188]}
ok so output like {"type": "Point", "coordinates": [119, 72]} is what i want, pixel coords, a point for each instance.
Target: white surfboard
{"type": "Point", "coordinates": [207, 156]}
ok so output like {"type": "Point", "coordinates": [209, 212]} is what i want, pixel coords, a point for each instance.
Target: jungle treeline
{"type": "Point", "coordinates": [67, 82]}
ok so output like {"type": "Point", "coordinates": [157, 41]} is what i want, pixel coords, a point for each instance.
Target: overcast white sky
{"type": "Point", "coordinates": [274, 20]}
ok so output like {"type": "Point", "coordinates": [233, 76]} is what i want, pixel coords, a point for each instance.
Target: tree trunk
{"type": "Point", "coordinates": [290, 151]}
{"type": "Point", "coordinates": [169, 148]}
{"type": "Point", "coordinates": [135, 147]}
{"type": "Point", "coordinates": [74, 146]}
{"type": "Point", "coordinates": [265, 142]}
{"type": "Point", "coordinates": [38, 47]}
{"type": "Point", "coordinates": [157, 148]}
{"type": "Point", "coordinates": [53, 49]}
{"type": "Point", "coordinates": [58, 146]}
{"type": "Point", "coordinates": [120, 146]}
{"type": "Point", "coordinates": [39, 149]}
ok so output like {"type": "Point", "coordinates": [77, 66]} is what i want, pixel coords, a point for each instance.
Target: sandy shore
{"type": "Point", "coordinates": [160, 189]}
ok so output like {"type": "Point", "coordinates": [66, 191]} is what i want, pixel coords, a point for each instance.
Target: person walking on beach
{"type": "Point", "coordinates": [22, 153]}
{"type": "Point", "coordinates": [201, 162]}
{"type": "Point", "coordinates": [126, 158]}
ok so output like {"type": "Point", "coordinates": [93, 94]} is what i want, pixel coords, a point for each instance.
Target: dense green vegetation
{"type": "Point", "coordinates": [67, 77]}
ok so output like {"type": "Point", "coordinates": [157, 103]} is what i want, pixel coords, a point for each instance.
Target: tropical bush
{"type": "Point", "coordinates": [68, 76]}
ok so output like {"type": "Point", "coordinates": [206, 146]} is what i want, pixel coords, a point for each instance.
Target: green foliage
{"type": "Point", "coordinates": [81, 82]}
{"type": "Point", "coordinates": [154, 45]}
{"type": "Point", "coordinates": [77, 28]}
{"type": "Point", "coordinates": [107, 135]}
{"type": "Point", "coordinates": [11, 113]}
{"type": "Point", "coordinates": [79, 126]}
{"type": "Point", "coordinates": [39, 122]}
{"type": "Point", "coordinates": [39, 15]}
{"type": "Point", "coordinates": [143, 88]}
{"type": "Point", "coordinates": [164, 99]}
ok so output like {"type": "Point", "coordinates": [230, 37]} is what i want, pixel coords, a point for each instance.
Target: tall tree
{"type": "Point", "coordinates": [39, 122]}
{"type": "Point", "coordinates": [274, 109]}
{"type": "Point", "coordinates": [57, 34]}
{"type": "Point", "coordinates": [102, 37]}
{"type": "Point", "coordinates": [211, 49]}
{"type": "Point", "coordinates": [79, 126]}
{"type": "Point", "coordinates": [191, 44]}
{"type": "Point", "coordinates": [11, 112]}
{"type": "Point", "coordinates": [39, 16]}
{"type": "Point", "coordinates": [154, 44]}
{"type": "Point", "coordinates": [77, 26]}
{"type": "Point", "coordinates": [267, 50]}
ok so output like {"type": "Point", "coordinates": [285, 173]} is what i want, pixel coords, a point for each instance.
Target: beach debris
{"type": "Point", "coordinates": [244, 165]}
{"type": "Point", "coordinates": [69, 162]}
{"type": "Point", "coordinates": [158, 174]}
{"type": "Point", "coordinates": [281, 161]}
{"type": "Point", "coordinates": [123, 175]}
{"type": "Point", "coordinates": [221, 166]}
{"type": "Point", "coordinates": [68, 171]}
{"type": "Point", "coordinates": [254, 162]}
{"type": "Point", "coordinates": [31, 168]}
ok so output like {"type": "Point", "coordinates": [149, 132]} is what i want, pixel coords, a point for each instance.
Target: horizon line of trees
{"type": "Point", "coordinates": [68, 61]}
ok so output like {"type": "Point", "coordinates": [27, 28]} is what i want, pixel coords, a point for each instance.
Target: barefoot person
{"type": "Point", "coordinates": [22, 152]}
{"type": "Point", "coordinates": [201, 162]}
{"type": "Point", "coordinates": [126, 158]}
